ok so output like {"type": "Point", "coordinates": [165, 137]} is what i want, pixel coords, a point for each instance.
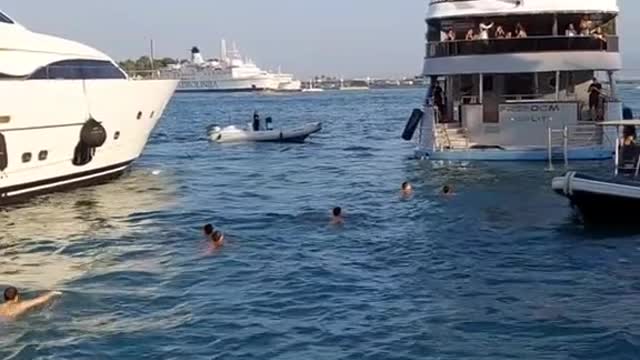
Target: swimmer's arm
{"type": "Point", "coordinates": [37, 302]}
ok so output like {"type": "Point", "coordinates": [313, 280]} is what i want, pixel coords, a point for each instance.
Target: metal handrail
{"type": "Point", "coordinates": [565, 145]}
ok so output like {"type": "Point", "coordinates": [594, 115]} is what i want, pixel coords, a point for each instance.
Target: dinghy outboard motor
{"type": "Point", "coordinates": [213, 131]}
{"type": "Point", "coordinates": [92, 135]}
{"type": "Point", "coordinates": [267, 123]}
{"type": "Point", "coordinates": [412, 124]}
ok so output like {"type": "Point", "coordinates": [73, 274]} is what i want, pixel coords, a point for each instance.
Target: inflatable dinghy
{"type": "Point", "coordinates": [231, 134]}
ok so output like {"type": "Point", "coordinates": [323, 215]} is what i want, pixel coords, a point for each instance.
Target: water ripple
{"type": "Point", "coordinates": [499, 271]}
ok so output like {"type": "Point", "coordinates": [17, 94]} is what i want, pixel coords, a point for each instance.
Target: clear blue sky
{"type": "Point", "coordinates": [306, 37]}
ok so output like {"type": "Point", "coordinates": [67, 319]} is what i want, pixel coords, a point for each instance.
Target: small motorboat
{"type": "Point", "coordinates": [232, 134]}
{"type": "Point", "coordinates": [608, 200]}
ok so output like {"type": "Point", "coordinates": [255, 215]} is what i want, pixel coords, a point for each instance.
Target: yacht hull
{"type": "Point", "coordinates": [600, 201]}
{"type": "Point", "coordinates": [205, 84]}
{"type": "Point", "coordinates": [517, 154]}
{"type": "Point", "coordinates": [41, 122]}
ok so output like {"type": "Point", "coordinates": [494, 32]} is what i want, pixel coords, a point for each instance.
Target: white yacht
{"type": "Point", "coordinates": [229, 73]}
{"type": "Point", "coordinates": [69, 115]}
{"type": "Point", "coordinates": [511, 80]}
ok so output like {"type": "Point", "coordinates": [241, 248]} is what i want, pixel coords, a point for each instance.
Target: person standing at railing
{"type": "Point", "coordinates": [571, 31]}
{"type": "Point", "coordinates": [438, 100]}
{"type": "Point", "coordinates": [451, 35]}
{"type": "Point", "coordinates": [599, 34]}
{"type": "Point", "coordinates": [520, 31]}
{"type": "Point", "coordinates": [595, 92]}
{"type": "Point", "coordinates": [500, 34]}
{"type": "Point", "coordinates": [484, 31]}
{"type": "Point", "coordinates": [470, 35]}
{"type": "Point", "coordinates": [585, 26]}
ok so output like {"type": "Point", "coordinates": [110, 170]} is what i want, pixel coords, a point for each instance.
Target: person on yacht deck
{"type": "Point", "coordinates": [470, 35]}
{"type": "Point", "coordinates": [484, 31]}
{"type": "Point", "coordinates": [571, 31]}
{"type": "Point", "coordinates": [599, 34]}
{"type": "Point", "coordinates": [256, 121]}
{"type": "Point", "coordinates": [595, 93]}
{"type": "Point", "coordinates": [500, 34]}
{"type": "Point", "coordinates": [629, 140]}
{"type": "Point", "coordinates": [438, 101]}
{"type": "Point", "coordinates": [520, 31]}
{"type": "Point", "coordinates": [585, 26]}
{"type": "Point", "coordinates": [451, 35]}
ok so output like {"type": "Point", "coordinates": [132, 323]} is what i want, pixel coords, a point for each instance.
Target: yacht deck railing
{"type": "Point", "coordinates": [521, 45]}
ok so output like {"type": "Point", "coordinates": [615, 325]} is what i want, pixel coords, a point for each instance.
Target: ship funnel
{"type": "Point", "coordinates": [196, 56]}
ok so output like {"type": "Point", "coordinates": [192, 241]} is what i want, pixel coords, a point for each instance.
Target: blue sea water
{"type": "Point", "coordinates": [501, 270]}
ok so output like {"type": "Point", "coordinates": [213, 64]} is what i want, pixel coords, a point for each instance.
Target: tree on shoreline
{"type": "Point", "coordinates": [143, 64]}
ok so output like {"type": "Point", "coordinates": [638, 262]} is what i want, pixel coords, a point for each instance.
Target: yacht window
{"type": "Point", "coordinates": [5, 19]}
{"type": "Point", "coordinates": [78, 69]}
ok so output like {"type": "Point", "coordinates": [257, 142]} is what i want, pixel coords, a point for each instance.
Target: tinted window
{"type": "Point", "coordinates": [5, 19]}
{"type": "Point", "coordinates": [79, 69]}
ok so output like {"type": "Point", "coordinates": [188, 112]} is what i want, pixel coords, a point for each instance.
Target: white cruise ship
{"type": "Point", "coordinates": [513, 80]}
{"type": "Point", "coordinates": [228, 73]}
{"type": "Point", "coordinates": [69, 115]}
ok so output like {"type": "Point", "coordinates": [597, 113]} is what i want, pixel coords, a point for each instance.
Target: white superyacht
{"type": "Point", "coordinates": [70, 115]}
{"type": "Point", "coordinates": [228, 73]}
{"type": "Point", "coordinates": [515, 80]}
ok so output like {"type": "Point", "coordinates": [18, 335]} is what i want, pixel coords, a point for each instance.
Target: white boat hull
{"type": "Point", "coordinates": [229, 85]}
{"type": "Point", "coordinates": [517, 154]}
{"type": "Point", "coordinates": [47, 116]}
{"type": "Point", "coordinates": [233, 134]}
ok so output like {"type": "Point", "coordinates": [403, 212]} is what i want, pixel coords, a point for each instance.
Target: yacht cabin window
{"type": "Point", "coordinates": [5, 19]}
{"type": "Point", "coordinates": [78, 69]}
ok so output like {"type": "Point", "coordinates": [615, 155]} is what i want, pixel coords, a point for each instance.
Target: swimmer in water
{"type": "Point", "coordinates": [13, 307]}
{"type": "Point", "coordinates": [337, 218]}
{"type": "Point", "coordinates": [208, 230]}
{"type": "Point", "coordinates": [447, 190]}
{"type": "Point", "coordinates": [407, 189]}
{"type": "Point", "coordinates": [218, 239]}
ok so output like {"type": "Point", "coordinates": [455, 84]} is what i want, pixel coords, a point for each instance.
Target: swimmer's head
{"type": "Point", "coordinates": [208, 229]}
{"type": "Point", "coordinates": [217, 236]}
{"type": "Point", "coordinates": [406, 186]}
{"type": "Point", "coordinates": [446, 189]}
{"type": "Point", "coordinates": [11, 294]}
{"type": "Point", "coordinates": [337, 211]}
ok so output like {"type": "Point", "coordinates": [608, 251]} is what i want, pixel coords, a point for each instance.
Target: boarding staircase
{"type": "Point", "coordinates": [451, 137]}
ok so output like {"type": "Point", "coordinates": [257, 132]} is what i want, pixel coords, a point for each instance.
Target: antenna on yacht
{"type": "Point", "coordinates": [152, 54]}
